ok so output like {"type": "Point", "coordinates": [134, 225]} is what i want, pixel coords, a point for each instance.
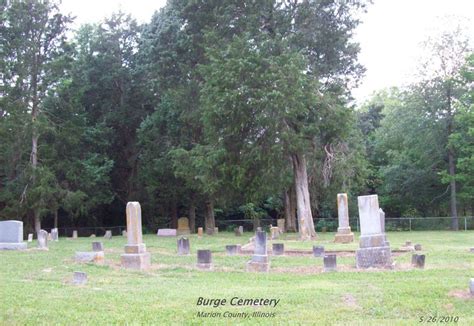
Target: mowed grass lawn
{"type": "Point", "coordinates": [35, 286]}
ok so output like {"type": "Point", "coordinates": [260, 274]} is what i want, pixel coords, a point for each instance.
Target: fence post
{"type": "Point", "coordinates": [465, 223]}
{"type": "Point", "coordinates": [409, 221]}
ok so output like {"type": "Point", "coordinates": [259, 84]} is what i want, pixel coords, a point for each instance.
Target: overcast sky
{"type": "Point", "coordinates": [390, 34]}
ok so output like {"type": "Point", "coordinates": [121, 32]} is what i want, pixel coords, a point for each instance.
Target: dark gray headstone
{"type": "Point", "coordinates": [278, 249]}
{"type": "Point", "coordinates": [42, 239]}
{"type": "Point", "coordinates": [330, 263]}
{"type": "Point", "coordinates": [231, 250]}
{"type": "Point", "coordinates": [318, 251]}
{"type": "Point", "coordinates": [204, 258]}
{"type": "Point", "coordinates": [108, 235]}
{"type": "Point", "coordinates": [80, 278]}
{"type": "Point", "coordinates": [418, 247]}
{"type": "Point", "coordinates": [97, 246]}
{"type": "Point", "coordinates": [183, 246]}
{"type": "Point", "coordinates": [260, 243]}
{"type": "Point", "coordinates": [210, 231]}
{"type": "Point", "coordinates": [418, 261]}
{"type": "Point", "coordinates": [472, 249]}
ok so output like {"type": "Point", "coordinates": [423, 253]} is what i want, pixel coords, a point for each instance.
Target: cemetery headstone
{"type": "Point", "coordinates": [278, 249]}
{"type": "Point", "coordinates": [210, 231]}
{"type": "Point", "coordinates": [96, 257]}
{"type": "Point", "coordinates": [136, 256]}
{"type": "Point", "coordinates": [42, 239]}
{"type": "Point", "coordinates": [231, 250]}
{"type": "Point", "coordinates": [275, 232]}
{"type": "Point", "coordinates": [204, 259]}
{"type": "Point", "coordinates": [97, 246]}
{"type": "Point", "coordinates": [183, 226]}
{"type": "Point", "coordinates": [374, 250]}
{"type": "Point", "coordinates": [74, 234]}
{"type": "Point", "coordinates": [183, 246]}
{"type": "Point", "coordinates": [382, 219]}
{"type": "Point", "coordinates": [418, 261]}
{"type": "Point", "coordinates": [92, 236]}
{"type": "Point", "coordinates": [418, 247]}
{"type": "Point", "coordinates": [471, 286]}
{"type": "Point", "coordinates": [344, 233]}
{"type": "Point", "coordinates": [216, 230]}
{"type": "Point", "coordinates": [108, 234]}
{"type": "Point", "coordinates": [239, 231]}
{"type": "Point", "coordinates": [281, 225]}
{"type": "Point", "coordinates": [318, 251]}
{"type": "Point", "coordinates": [30, 237]}
{"type": "Point", "coordinates": [165, 232]}
{"type": "Point", "coordinates": [50, 237]}
{"type": "Point", "coordinates": [11, 235]}
{"type": "Point", "coordinates": [259, 229]}
{"type": "Point", "coordinates": [259, 261]}
{"type": "Point", "coordinates": [472, 250]}
{"type": "Point", "coordinates": [330, 264]}
{"type": "Point", "coordinates": [200, 232]}
{"type": "Point", "coordinates": [55, 234]}
{"type": "Point", "coordinates": [124, 233]}
{"type": "Point", "coordinates": [79, 278]}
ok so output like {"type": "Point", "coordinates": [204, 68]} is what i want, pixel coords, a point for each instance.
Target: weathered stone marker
{"type": "Point", "coordinates": [318, 251]}
{"type": "Point", "coordinates": [183, 226]}
{"type": "Point", "coordinates": [165, 232]}
{"type": "Point", "coordinates": [108, 234]}
{"type": "Point", "coordinates": [382, 219]}
{"type": "Point", "coordinates": [30, 237]}
{"type": "Point", "coordinates": [344, 234]}
{"type": "Point", "coordinates": [260, 261]}
{"type": "Point", "coordinates": [216, 230]}
{"type": "Point", "coordinates": [278, 249]}
{"type": "Point", "coordinates": [231, 250]}
{"type": "Point", "coordinates": [97, 246]}
{"type": "Point", "coordinates": [74, 234]}
{"type": "Point", "coordinates": [472, 250]}
{"type": "Point", "coordinates": [200, 232]}
{"type": "Point", "coordinates": [96, 257]}
{"type": "Point", "coordinates": [42, 239]}
{"type": "Point", "coordinates": [124, 233]}
{"type": "Point", "coordinates": [471, 286]}
{"type": "Point", "coordinates": [135, 256]}
{"type": "Point", "coordinates": [418, 261]}
{"type": "Point", "coordinates": [374, 250]}
{"type": "Point", "coordinates": [92, 236]}
{"type": "Point", "coordinates": [418, 247]}
{"type": "Point", "coordinates": [204, 258]}
{"type": "Point", "coordinates": [183, 246]}
{"type": "Point", "coordinates": [55, 234]}
{"type": "Point", "coordinates": [281, 225]}
{"type": "Point", "coordinates": [275, 232]}
{"type": "Point", "coordinates": [239, 231]}
{"type": "Point", "coordinates": [50, 238]}
{"type": "Point", "coordinates": [79, 278]}
{"type": "Point", "coordinates": [259, 229]}
{"type": "Point", "coordinates": [330, 264]}
{"type": "Point", "coordinates": [11, 235]}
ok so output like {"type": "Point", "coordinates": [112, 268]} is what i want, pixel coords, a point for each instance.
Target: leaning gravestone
{"type": "Point", "coordinates": [281, 225]}
{"type": "Point", "coordinates": [30, 237]}
{"type": "Point", "coordinates": [259, 261]}
{"type": "Point", "coordinates": [183, 226]}
{"type": "Point", "coordinates": [165, 232]}
{"type": "Point", "coordinates": [374, 250]}
{"type": "Point", "coordinates": [79, 278]}
{"type": "Point", "coordinates": [278, 249]}
{"type": "Point", "coordinates": [135, 256]}
{"type": "Point", "coordinates": [344, 233]}
{"type": "Point", "coordinates": [54, 234]}
{"type": "Point", "coordinates": [204, 258]}
{"type": "Point", "coordinates": [330, 264]}
{"type": "Point", "coordinates": [42, 239]}
{"type": "Point", "coordinates": [183, 246]}
{"type": "Point", "coordinates": [108, 234]}
{"type": "Point", "coordinates": [11, 235]}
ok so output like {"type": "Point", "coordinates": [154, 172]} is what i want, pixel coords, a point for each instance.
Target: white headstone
{"type": "Point", "coordinates": [11, 235]}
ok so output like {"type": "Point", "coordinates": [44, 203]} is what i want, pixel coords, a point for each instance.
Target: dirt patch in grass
{"type": "Point", "coordinates": [350, 301]}
{"type": "Point", "coordinates": [461, 294]}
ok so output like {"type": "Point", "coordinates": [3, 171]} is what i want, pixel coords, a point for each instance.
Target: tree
{"type": "Point", "coordinates": [33, 36]}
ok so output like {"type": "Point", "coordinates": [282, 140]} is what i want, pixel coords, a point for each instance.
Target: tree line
{"type": "Point", "coordinates": [217, 109]}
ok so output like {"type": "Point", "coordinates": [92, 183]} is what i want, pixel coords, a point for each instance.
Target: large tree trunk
{"type": "Point", "coordinates": [192, 215]}
{"type": "Point", "coordinates": [174, 215]}
{"type": "Point", "coordinates": [210, 222]}
{"type": "Point", "coordinates": [290, 209]}
{"type": "Point", "coordinates": [451, 165]}
{"type": "Point", "coordinates": [303, 204]}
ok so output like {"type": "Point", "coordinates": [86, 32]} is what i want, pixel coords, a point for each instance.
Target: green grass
{"type": "Point", "coordinates": [35, 285]}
